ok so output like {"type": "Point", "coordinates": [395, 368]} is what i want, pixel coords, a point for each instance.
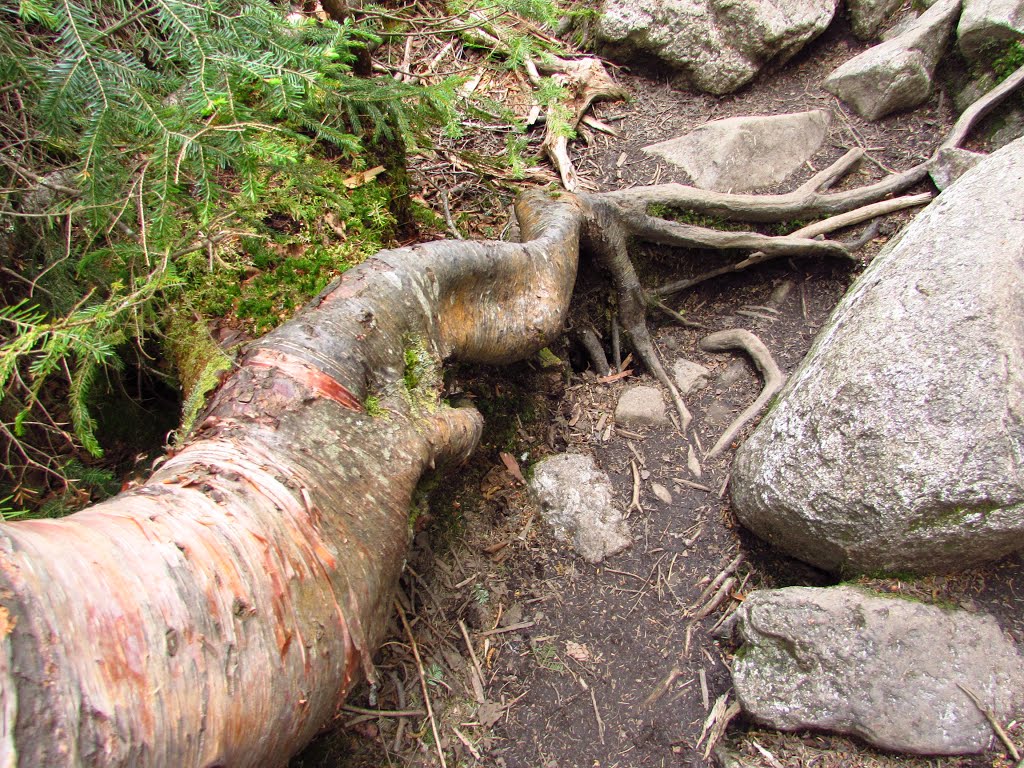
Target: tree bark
{"type": "Point", "coordinates": [219, 614]}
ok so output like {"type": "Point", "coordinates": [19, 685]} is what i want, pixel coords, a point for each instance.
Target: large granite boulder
{"type": "Point", "coordinates": [988, 27]}
{"type": "Point", "coordinates": [898, 444]}
{"type": "Point", "coordinates": [741, 154]}
{"type": "Point", "coordinates": [896, 74]}
{"type": "Point", "coordinates": [891, 671]}
{"type": "Point", "coordinates": [716, 45]}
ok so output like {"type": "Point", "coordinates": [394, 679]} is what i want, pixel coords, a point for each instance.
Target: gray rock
{"type": "Point", "coordinates": [897, 74]}
{"type": "Point", "coordinates": [690, 376]}
{"type": "Point", "coordinates": [950, 163]}
{"type": "Point", "coordinates": [885, 669]}
{"type": "Point", "coordinates": [898, 444]}
{"type": "Point", "coordinates": [577, 500]}
{"type": "Point", "coordinates": [740, 154]}
{"type": "Point", "coordinates": [641, 407]}
{"type": "Point", "coordinates": [716, 45]}
{"type": "Point", "coordinates": [987, 27]}
{"type": "Point", "coordinates": [868, 16]}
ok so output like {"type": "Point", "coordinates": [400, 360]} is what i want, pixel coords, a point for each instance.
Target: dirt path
{"type": "Point", "coordinates": [582, 666]}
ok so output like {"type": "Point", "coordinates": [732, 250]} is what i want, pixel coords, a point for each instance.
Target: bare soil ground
{"type": "Point", "coordinates": [581, 666]}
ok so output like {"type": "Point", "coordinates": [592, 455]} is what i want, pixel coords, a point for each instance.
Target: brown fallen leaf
{"type": "Point", "coordinates": [512, 466]}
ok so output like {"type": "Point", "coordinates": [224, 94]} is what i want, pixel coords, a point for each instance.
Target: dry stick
{"type": "Point", "coordinates": [423, 682]}
{"type": "Point", "coordinates": [677, 317]}
{"type": "Point", "coordinates": [478, 679]}
{"type": "Point", "coordinates": [729, 569]}
{"type": "Point", "coordinates": [635, 501]}
{"type": "Point", "coordinates": [714, 727]}
{"type": "Point", "coordinates": [384, 712]}
{"type": "Point", "coordinates": [662, 688]}
{"type": "Point", "coordinates": [831, 224]}
{"type": "Point", "coordinates": [1003, 737]}
{"type": "Point", "coordinates": [466, 743]}
{"type": "Point", "coordinates": [588, 78]}
{"type": "Point", "coordinates": [773, 377]}
{"type": "Point", "coordinates": [597, 714]}
{"type": "Point", "coordinates": [717, 599]}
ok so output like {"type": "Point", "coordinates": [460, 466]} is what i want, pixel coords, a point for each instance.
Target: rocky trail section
{"type": "Point", "coordinates": [629, 661]}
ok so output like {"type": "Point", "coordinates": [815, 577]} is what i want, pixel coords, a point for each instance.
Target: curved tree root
{"type": "Point", "coordinates": [774, 378]}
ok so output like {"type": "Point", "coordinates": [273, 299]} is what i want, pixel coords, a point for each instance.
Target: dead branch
{"type": "Point", "coordinates": [773, 377]}
{"type": "Point", "coordinates": [992, 721]}
{"type": "Point", "coordinates": [587, 81]}
{"type": "Point", "coordinates": [725, 573]}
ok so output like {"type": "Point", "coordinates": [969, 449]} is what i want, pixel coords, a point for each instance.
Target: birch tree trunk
{"type": "Point", "coordinates": [219, 614]}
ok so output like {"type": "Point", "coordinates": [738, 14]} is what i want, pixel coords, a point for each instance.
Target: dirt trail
{"type": "Point", "coordinates": [583, 666]}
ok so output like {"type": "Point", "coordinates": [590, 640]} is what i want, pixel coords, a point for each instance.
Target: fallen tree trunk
{"type": "Point", "coordinates": [219, 614]}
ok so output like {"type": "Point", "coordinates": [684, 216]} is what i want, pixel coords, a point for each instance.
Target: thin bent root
{"type": "Point", "coordinates": [774, 378]}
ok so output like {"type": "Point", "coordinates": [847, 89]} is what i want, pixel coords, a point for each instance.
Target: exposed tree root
{"type": "Point", "coordinates": [818, 228]}
{"type": "Point", "coordinates": [970, 116]}
{"type": "Point", "coordinates": [592, 344]}
{"type": "Point", "coordinates": [604, 236]}
{"type": "Point", "coordinates": [738, 338]}
{"type": "Point", "coordinates": [613, 219]}
{"type": "Point", "coordinates": [807, 201]}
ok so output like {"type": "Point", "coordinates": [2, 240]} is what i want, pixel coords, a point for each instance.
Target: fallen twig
{"type": "Point", "coordinates": [383, 712]}
{"type": "Point", "coordinates": [466, 743]}
{"type": "Point", "coordinates": [717, 599]}
{"type": "Point", "coordinates": [662, 688]}
{"type": "Point", "coordinates": [478, 675]}
{"type": "Point", "coordinates": [597, 714]}
{"type": "Point", "coordinates": [722, 575]}
{"type": "Point", "coordinates": [773, 377]}
{"type": "Point", "coordinates": [635, 501]}
{"type": "Point", "coordinates": [423, 682]}
{"type": "Point", "coordinates": [996, 727]}
{"type": "Point", "coordinates": [503, 630]}
{"type": "Point", "coordinates": [717, 721]}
